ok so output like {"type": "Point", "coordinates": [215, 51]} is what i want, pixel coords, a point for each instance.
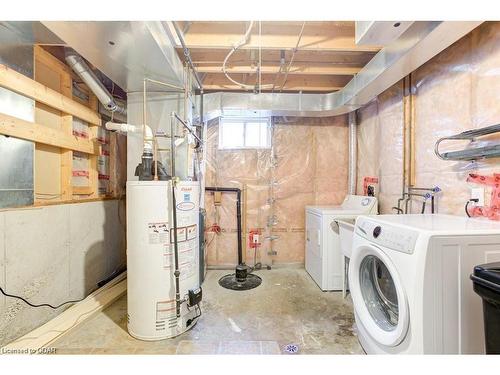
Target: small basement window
{"type": "Point", "coordinates": [244, 133]}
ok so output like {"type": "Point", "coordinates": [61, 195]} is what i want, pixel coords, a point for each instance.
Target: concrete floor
{"type": "Point", "coordinates": [288, 308]}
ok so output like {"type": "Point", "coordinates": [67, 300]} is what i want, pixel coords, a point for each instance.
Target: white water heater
{"type": "Point", "coordinates": [150, 257]}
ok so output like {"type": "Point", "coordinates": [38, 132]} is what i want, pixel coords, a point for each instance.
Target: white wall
{"type": "Point", "coordinates": [53, 254]}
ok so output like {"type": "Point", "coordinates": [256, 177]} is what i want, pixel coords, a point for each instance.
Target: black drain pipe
{"type": "Point", "coordinates": [238, 215]}
{"type": "Point", "coordinates": [242, 278]}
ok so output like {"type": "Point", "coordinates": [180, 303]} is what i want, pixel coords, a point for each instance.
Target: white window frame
{"type": "Point", "coordinates": [245, 121]}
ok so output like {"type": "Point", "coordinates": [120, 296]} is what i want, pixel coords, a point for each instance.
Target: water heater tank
{"type": "Point", "coordinates": [150, 257]}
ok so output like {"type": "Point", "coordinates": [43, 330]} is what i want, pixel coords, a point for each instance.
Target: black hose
{"type": "Point", "coordinates": [466, 208]}
{"type": "Point", "coordinates": [38, 305]}
{"type": "Point", "coordinates": [467, 205]}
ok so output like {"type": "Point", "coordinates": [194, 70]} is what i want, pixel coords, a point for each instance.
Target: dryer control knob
{"type": "Point", "coordinates": [376, 231]}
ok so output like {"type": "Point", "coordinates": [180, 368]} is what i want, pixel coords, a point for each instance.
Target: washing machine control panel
{"type": "Point", "coordinates": [385, 235]}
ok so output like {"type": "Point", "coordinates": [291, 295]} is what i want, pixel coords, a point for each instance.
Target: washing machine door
{"type": "Point", "coordinates": [378, 295]}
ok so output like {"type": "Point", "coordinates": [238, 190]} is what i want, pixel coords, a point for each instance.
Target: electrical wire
{"type": "Point", "coordinates": [293, 56]}
{"type": "Point", "coordinates": [199, 309]}
{"type": "Point", "coordinates": [38, 305]}
{"type": "Point", "coordinates": [467, 208]}
{"type": "Point", "coordinates": [475, 200]}
{"type": "Point", "coordinates": [238, 45]}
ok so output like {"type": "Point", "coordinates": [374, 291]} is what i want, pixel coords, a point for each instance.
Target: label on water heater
{"type": "Point", "coordinates": [186, 248]}
{"type": "Point", "coordinates": [158, 233]}
{"type": "Point", "coordinates": [185, 206]}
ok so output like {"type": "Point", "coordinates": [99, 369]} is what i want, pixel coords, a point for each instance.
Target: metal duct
{"type": "Point", "coordinates": [417, 45]}
{"type": "Point", "coordinates": [83, 71]}
{"type": "Point", "coordinates": [127, 66]}
{"type": "Point", "coordinates": [353, 154]}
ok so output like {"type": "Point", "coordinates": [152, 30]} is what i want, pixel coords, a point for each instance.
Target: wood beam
{"type": "Point", "coordinates": [274, 68]}
{"type": "Point", "coordinates": [15, 127]}
{"type": "Point", "coordinates": [322, 36]}
{"type": "Point", "coordinates": [83, 190]}
{"type": "Point", "coordinates": [310, 88]}
{"type": "Point", "coordinates": [12, 80]}
{"type": "Point", "coordinates": [203, 56]}
{"type": "Point", "coordinates": [293, 83]}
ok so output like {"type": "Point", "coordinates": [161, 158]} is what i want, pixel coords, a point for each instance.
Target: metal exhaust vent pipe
{"type": "Point", "coordinates": [80, 67]}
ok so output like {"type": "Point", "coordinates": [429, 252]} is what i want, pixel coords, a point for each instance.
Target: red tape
{"type": "Point", "coordinates": [80, 173]}
{"type": "Point", "coordinates": [80, 134]}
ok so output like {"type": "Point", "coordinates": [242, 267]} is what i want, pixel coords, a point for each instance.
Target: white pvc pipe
{"type": "Point", "coordinates": [127, 128]}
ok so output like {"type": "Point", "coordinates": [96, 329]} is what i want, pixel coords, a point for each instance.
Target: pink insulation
{"type": "Point", "coordinates": [310, 167]}
{"type": "Point", "coordinates": [456, 91]}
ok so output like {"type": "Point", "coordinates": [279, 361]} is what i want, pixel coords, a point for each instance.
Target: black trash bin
{"type": "Point", "coordinates": [486, 279]}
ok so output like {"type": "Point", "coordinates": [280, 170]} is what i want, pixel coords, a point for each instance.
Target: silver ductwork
{"type": "Point", "coordinates": [417, 45]}
{"type": "Point", "coordinates": [80, 67]}
{"type": "Point", "coordinates": [421, 41]}
{"type": "Point", "coordinates": [353, 154]}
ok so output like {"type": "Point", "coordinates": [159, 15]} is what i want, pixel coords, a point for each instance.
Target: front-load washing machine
{"type": "Point", "coordinates": [323, 257]}
{"type": "Point", "coordinates": [409, 281]}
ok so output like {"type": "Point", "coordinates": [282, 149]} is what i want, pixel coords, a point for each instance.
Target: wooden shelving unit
{"type": "Point", "coordinates": [52, 131]}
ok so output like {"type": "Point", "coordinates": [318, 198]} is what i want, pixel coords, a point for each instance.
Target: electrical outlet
{"type": "Point", "coordinates": [477, 193]}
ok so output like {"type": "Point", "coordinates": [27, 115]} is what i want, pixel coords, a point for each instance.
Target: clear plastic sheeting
{"type": "Point", "coordinates": [380, 146]}
{"type": "Point", "coordinates": [305, 165]}
{"type": "Point", "coordinates": [457, 90]}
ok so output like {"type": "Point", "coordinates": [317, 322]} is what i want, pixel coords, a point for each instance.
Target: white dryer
{"type": "Point", "coordinates": [323, 258]}
{"type": "Point", "coordinates": [409, 281]}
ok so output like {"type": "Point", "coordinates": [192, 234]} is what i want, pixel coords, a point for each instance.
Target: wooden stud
{"type": "Point", "coordinates": [93, 159]}
{"type": "Point", "coordinates": [406, 133]}
{"type": "Point", "coordinates": [413, 155]}
{"type": "Point", "coordinates": [15, 127]}
{"type": "Point", "coordinates": [409, 151]}
{"type": "Point", "coordinates": [113, 165]}
{"type": "Point", "coordinates": [66, 88]}
{"type": "Point", "coordinates": [93, 171]}
{"type": "Point", "coordinates": [67, 162]}
{"type": "Point", "coordinates": [12, 80]}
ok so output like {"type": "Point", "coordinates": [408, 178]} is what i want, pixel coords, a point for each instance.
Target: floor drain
{"type": "Point", "coordinates": [291, 348]}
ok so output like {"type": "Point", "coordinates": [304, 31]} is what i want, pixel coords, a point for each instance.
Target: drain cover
{"type": "Point", "coordinates": [291, 348]}
{"type": "Point", "coordinates": [232, 282]}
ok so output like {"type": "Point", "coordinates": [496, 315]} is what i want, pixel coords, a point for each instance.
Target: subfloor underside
{"type": "Point", "coordinates": [288, 311]}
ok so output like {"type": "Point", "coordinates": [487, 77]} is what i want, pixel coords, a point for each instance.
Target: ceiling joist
{"type": "Point", "coordinates": [274, 68]}
{"type": "Point", "coordinates": [338, 37]}
{"type": "Point", "coordinates": [324, 58]}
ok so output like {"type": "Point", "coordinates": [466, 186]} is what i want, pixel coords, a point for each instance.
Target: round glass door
{"type": "Point", "coordinates": [378, 295]}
